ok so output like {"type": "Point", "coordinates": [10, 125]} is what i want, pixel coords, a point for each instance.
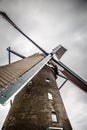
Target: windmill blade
{"type": "Point", "coordinates": [72, 76]}
{"type": "Point", "coordinates": [5, 16]}
{"type": "Point", "coordinates": [15, 87]}
{"type": "Point", "coordinates": [59, 53]}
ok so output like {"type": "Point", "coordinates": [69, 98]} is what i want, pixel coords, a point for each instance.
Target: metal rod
{"type": "Point", "coordinates": [14, 52]}
{"type": "Point", "coordinates": [62, 76]}
{"type": "Point", "coordinates": [62, 84]}
{"type": "Point", "coordinates": [9, 56]}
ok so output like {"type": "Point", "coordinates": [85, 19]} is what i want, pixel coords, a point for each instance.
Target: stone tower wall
{"type": "Point", "coordinates": [32, 109]}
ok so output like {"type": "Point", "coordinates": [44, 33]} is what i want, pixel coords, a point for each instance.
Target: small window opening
{"type": "Point", "coordinates": [54, 117]}
{"type": "Point", "coordinates": [47, 80]}
{"type": "Point", "coordinates": [50, 96]}
{"type": "Point", "coordinates": [30, 83]}
{"type": "Point", "coordinates": [25, 95]}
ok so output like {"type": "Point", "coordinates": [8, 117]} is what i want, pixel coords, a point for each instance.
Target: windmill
{"type": "Point", "coordinates": [30, 77]}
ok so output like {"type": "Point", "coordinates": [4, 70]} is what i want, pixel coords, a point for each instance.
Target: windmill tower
{"type": "Point", "coordinates": [38, 106]}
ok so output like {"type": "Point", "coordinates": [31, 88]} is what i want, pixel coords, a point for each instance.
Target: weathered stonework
{"type": "Point", "coordinates": [31, 109]}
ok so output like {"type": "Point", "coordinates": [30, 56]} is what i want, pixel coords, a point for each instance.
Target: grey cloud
{"type": "Point", "coordinates": [49, 23]}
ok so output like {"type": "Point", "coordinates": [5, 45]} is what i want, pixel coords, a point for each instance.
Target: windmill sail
{"type": "Point", "coordinates": [79, 82]}
{"type": "Point", "coordinates": [60, 51]}
{"type": "Point", "coordinates": [73, 77]}
{"type": "Point", "coordinates": [12, 73]}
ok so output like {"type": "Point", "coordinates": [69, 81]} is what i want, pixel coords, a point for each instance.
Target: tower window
{"type": "Point", "coordinates": [50, 96]}
{"type": "Point", "coordinates": [54, 117]}
{"type": "Point", "coordinates": [47, 80]}
{"type": "Point", "coordinates": [25, 95]}
{"type": "Point", "coordinates": [54, 128]}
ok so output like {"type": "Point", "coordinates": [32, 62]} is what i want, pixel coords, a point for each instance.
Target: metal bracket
{"type": "Point", "coordinates": [63, 82]}
{"type": "Point", "coordinates": [14, 52]}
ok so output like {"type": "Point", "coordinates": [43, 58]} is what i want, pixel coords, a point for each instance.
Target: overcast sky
{"type": "Point", "coordinates": [50, 23]}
